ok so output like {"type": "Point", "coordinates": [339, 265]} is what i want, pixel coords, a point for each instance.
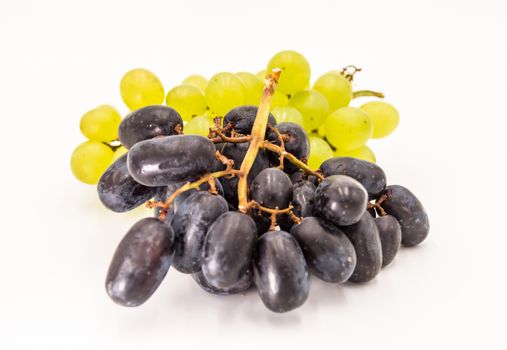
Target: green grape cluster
{"type": "Point", "coordinates": [323, 109]}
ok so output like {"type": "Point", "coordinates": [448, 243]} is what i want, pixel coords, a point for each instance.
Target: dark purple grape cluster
{"type": "Point", "coordinates": [341, 223]}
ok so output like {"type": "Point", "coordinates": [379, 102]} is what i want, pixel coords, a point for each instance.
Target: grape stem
{"type": "Point", "coordinates": [274, 212]}
{"type": "Point", "coordinates": [349, 72]}
{"type": "Point", "coordinates": [377, 205]}
{"type": "Point", "coordinates": [367, 93]}
{"type": "Point", "coordinates": [221, 137]}
{"type": "Point", "coordinates": [210, 178]}
{"type": "Point", "coordinates": [282, 145]}
{"type": "Point", "coordinates": [293, 159]}
{"type": "Point", "coordinates": [257, 137]}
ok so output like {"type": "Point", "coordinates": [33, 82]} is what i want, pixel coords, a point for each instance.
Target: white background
{"type": "Point", "coordinates": [442, 63]}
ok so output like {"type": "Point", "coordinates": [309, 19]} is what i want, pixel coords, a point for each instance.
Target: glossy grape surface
{"type": "Point", "coordinates": [164, 160]}
{"type": "Point", "coordinates": [190, 224]}
{"type": "Point", "coordinates": [147, 123]}
{"type": "Point", "coordinates": [280, 272]}
{"type": "Point", "coordinates": [341, 200]}
{"type": "Point", "coordinates": [119, 192]}
{"type": "Point", "coordinates": [370, 175]}
{"type": "Point", "coordinates": [328, 252]}
{"type": "Point", "coordinates": [272, 188]}
{"type": "Point", "coordinates": [228, 249]}
{"type": "Point", "coordinates": [140, 262]}
{"type": "Point", "coordinates": [404, 206]}
{"type": "Point", "coordinates": [365, 238]}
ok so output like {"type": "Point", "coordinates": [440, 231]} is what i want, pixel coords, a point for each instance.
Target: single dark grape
{"type": "Point", "coordinates": [236, 152]}
{"type": "Point", "coordinates": [370, 175]}
{"type": "Point", "coordinates": [242, 119]}
{"type": "Point", "coordinates": [340, 200]}
{"type": "Point", "coordinates": [147, 123]}
{"type": "Point", "coordinates": [280, 272]}
{"type": "Point", "coordinates": [140, 262]}
{"type": "Point", "coordinates": [390, 237]}
{"type": "Point", "coordinates": [228, 249]}
{"type": "Point", "coordinates": [244, 283]}
{"type": "Point", "coordinates": [404, 206]}
{"type": "Point", "coordinates": [365, 238]}
{"type": "Point", "coordinates": [296, 144]}
{"type": "Point", "coordinates": [190, 224]}
{"type": "Point", "coordinates": [119, 192]}
{"type": "Point", "coordinates": [272, 188]}
{"type": "Point", "coordinates": [328, 252]}
{"type": "Point", "coordinates": [164, 160]}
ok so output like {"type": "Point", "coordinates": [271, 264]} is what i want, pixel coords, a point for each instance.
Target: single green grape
{"type": "Point", "coordinates": [224, 92]}
{"type": "Point", "coordinates": [119, 152]}
{"type": "Point", "coordinates": [364, 153]}
{"type": "Point", "coordinates": [313, 106]}
{"type": "Point", "coordinates": [89, 161]}
{"type": "Point", "coordinates": [196, 80]}
{"type": "Point", "coordinates": [101, 123]}
{"type": "Point", "coordinates": [140, 87]}
{"type": "Point", "coordinates": [384, 117]}
{"type": "Point", "coordinates": [261, 75]}
{"type": "Point", "coordinates": [199, 125]}
{"type": "Point", "coordinates": [253, 87]}
{"type": "Point", "coordinates": [287, 114]}
{"type": "Point", "coordinates": [348, 128]}
{"type": "Point", "coordinates": [336, 88]}
{"type": "Point", "coordinates": [188, 100]}
{"type": "Point", "coordinates": [319, 152]}
{"type": "Point", "coordinates": [295, 71]}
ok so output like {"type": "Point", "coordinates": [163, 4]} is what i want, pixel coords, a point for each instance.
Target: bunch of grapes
{"type": "Point", "coordinates": [240, 207]}
{"type": "Point", "coordinates": [334, 128]}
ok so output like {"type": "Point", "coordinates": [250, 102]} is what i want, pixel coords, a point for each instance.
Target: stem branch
{"type": "Point", "coordinates": [257, 137]}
